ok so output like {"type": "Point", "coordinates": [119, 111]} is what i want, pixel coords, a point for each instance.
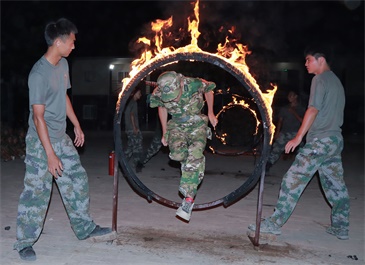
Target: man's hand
{"type": "Point", "coordinates": [212, 119]}
{"type": "Point", "coordinates": [55, 166]}
{"type": "Point", "coordinates": [79, 137]}
{"type": "Point", "coordinates": [292, 144]}
{"type": "Point", "coordinates": [163, 141]}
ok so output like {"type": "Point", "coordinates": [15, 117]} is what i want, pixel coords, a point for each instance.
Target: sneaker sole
{"type": "Point", "coordinates": [338, 236]}
{"type": "Point", "coordinates": [103, 238]}
{"type": "Point", "coordinates": [343, 237]}
{"type": "Point", "coordinates": [183, 214]}
{"type": "Point", "coordinates": [277, 233]}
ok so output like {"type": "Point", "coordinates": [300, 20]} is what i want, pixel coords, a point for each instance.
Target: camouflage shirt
{"type": "Point", "coordinates": [191, 102]}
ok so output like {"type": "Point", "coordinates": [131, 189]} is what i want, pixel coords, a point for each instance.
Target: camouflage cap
{"type": "Point", "coordinates": [168, 83]}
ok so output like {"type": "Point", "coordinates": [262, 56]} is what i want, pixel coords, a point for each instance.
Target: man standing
{"type": "Point", "coordinates": [187, 131]}
{"type": "Point", "coordinates": [322, 152]}
{"type": "Point", "coordinates": [134, 136]}
{"type": "Point", "coordinates": [50, 153]}
{"type": "Point", "coordinates": [155, 144]}
{"type": "Point", "coordinates": [290, 118]}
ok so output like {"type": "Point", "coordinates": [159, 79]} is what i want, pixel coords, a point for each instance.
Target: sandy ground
{"type": "Point", "coordinates": [149, 233]}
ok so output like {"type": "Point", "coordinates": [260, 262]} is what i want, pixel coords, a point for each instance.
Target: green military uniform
{"type": "Point", "coordinates": [321, 153]}
{"type": "Point", "coordinates": [187, 130]}
{"type": "Point", "coordinates": [134, 148]}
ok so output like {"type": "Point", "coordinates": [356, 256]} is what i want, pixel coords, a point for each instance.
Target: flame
{"type": "Point", "coordinates": [237, 102]}
{"type": "Point", "coordinates": [231, 51]}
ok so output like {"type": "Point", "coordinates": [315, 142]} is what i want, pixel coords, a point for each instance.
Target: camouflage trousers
{"type": "Point", "coordinates": [155, 144]}
{"type": "Point", "coordinates": [34, 200]}
{"type": "Point", "coordinates": [279, 146]}
{"type": "Point", "coordinates": [187, 145]}
{"type": "Point", "coordinates": [323, 156]}
{"type": "Point", "coordinates": [134, 147]}
{"type": "Point", "coordinates": [153, 149]}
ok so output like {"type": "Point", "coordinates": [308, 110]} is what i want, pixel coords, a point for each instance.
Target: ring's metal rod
{"type": "Point", "coordinates": [255, 240]}
{"type": "Point", "coordinates": [115, 194]}
{"type": "Point", "coordinates": [246, 187]}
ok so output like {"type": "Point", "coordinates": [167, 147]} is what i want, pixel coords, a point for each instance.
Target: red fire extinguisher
{"type": "Point", "coordinates": [111, 163]}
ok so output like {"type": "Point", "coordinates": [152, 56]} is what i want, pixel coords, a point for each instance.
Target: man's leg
{"type": "Point", "coordinates": [279, 147]}
{"type": "Point", "coordinates": [32, 207]}
{"type": "Point", "coordinates": [334, 187]}
{"type": "Point", "coordinates": [194, 165]}
{"type": "Point", "coordinates": [137, 148]}
{"type": "Point", "coordinates": [153, 149]}
{"type": "Point", "coordinates": [129, 150]}
{"type": "Point", "coordinates": [192, 170]}
{"type": "Point", "coordinates": [34, 200]}
{"type": "Point", "coordinates": [306, 163]}
{"type": "Point", "coordinates": [74, 189]}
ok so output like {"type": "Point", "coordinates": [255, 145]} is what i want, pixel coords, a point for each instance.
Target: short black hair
{"type": "Point", "coordinates": [136, 89]}
{"type": "Point", "coordinates": [319, 50]}
{"type": "Point", "coordinates": [60, 29]}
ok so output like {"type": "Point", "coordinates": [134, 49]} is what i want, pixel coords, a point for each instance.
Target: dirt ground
{"type": "Point", "coordinates": [149, 233]}
{"type": "Point", "coordinates": [224, 249]}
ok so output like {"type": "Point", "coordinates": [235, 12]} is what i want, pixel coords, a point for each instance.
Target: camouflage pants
{"type": "Point", "coordinates": [134, 147]}
{"type": "Point", "coordinates": [187, 146]}
{"type": "Point", "coordinates": [279, 146]}
{"type": "Point", "coordinates": [153, 149]}
{"type": "Point", "coordinates": [34, 200]}
{"type": "Point", "coordinates": [323, 156]}
{"type": "Point", "coordinates": [155, 144]}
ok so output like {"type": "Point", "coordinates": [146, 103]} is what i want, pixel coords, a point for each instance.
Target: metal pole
{"type": "Point", "coordinates": [115, 193]}
{"type": "Point", "coordinates": [255, 240]}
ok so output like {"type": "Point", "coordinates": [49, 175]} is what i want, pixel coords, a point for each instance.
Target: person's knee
{"type": "Point", "coordinates": [178, 155]}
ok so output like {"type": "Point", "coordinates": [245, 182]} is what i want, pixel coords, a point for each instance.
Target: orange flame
{"type": "Point", "coordinates": [231, 51]}
{"type": "Point", "coordinates": [238, 102]}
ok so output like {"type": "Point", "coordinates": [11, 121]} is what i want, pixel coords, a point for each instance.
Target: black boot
{"type": "Point", "coordinates": [268, 166]}
{"type": "Point", "coordinates": [27, 254]}
{"type": "Point", "coordinates": [139, 167]}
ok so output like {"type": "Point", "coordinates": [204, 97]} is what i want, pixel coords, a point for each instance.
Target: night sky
{"type": "Point", "coordinates": [271, 29]}
{"type": "Point", "coordinates": [109, 28]}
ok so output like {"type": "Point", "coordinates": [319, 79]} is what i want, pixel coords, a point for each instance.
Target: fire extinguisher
{"type": "Point", "coordinates": [111, 163]}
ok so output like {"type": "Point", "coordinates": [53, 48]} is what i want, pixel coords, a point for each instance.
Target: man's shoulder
{"type": "Point", "coordinates": [40, 63]}
{"type": "Point", "coordinates": [155, 98]}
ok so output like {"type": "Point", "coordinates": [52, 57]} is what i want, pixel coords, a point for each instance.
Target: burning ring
{"type": "Point", "coordinates": [202, 56]}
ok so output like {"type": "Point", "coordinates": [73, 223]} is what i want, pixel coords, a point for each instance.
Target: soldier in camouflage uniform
{"type": "Point", "coordinates": [290, 118]}
{"type": "Point", "coordinates": [187, 131]}
{"type": "Point", "coordinates": [155, 145]}
{"type": "Point", "coordinates": [322, 152]}
{"type": "Point", "coordinates": [50, 153]}
{"type": "Point", "coordinates": [134, 135]}
{"type": "Point", "coordinates": [153, 148]}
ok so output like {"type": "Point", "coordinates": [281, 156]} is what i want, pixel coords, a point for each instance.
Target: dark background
{"type": "Point", "coordinates": [273, 30]}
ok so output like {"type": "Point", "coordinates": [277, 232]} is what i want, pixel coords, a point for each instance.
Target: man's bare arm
{"type": "Point", "coordinates": [54, 163]}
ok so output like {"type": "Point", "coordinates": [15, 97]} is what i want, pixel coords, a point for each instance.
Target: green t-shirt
{"type": "Point", "coordinates": [290, 123]}
{"type": "Point", "coordinates": [48, 85]}
{"type": "Point", "coordinates": [131, 109]}
{"type": "Point", "coordinates": [328, 97]}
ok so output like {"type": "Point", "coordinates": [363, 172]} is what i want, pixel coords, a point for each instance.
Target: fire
{"type": "Point", "coordinates": [231, 51]}
{"type": "Point", "coordinates": [236, 101]}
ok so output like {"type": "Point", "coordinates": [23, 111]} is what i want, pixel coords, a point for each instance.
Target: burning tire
{"type": "Point", "coordinates": [132, 178]}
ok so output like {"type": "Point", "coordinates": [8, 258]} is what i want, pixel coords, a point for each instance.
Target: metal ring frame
{"type": "Point", "coordinates": [254, 146]}
{"type": "Point", "coordinates": [130, 175]}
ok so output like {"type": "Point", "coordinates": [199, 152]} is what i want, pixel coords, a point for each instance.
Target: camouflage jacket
{"type": "Point", "coordinates": [188, 108]}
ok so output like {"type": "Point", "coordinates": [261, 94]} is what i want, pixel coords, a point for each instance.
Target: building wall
{"type": "Point", "coordinates": [95, 89]}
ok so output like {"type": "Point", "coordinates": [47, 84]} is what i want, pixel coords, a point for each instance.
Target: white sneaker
{"type": "Point", "coordinates": [185, 210]}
